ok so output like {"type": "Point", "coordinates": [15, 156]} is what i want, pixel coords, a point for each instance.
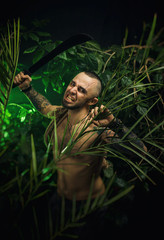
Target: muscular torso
{"type": "Point", "coordinates": [76, 172]}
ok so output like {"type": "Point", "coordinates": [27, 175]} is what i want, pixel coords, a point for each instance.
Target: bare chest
{"type": "Point", "coordinates": [78, 137]}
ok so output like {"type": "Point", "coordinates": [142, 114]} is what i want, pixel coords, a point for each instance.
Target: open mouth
{"type": "Point", "coordinates": [70, 98]}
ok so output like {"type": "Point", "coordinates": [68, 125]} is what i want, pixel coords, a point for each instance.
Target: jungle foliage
{"type": "Point", "coordinates": [132, 77]}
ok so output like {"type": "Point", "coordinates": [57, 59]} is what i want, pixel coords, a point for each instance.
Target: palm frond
{"type": "Point", "coordinates": [8, 60]}
{"type": "Point", "coordinates": [150, 38]}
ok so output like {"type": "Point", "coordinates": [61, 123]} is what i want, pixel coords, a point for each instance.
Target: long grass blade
{"type": "Point", "coordinates": [33, 160]}
{"type": "Point", "coordinates": [150, 37]}
{"type": "Point", "coordinates": [154, 144]}
{"type": "Point", "coordinates": [154, 129]}
{"type": "Point", "coordinates": [103, 197]}
{"type": "Point", "coordinates": [64, 134]}
{"type": "Point", "coordinates": [62, 220]}
{"type": "Point", "coordinates": [73, 207]}
{"type": "Point", "coordinates": [9, 59]}
{"type": "Point", "coordinates": [139, 120]}
{"type": "Point", "coordinates": [129, 162]}
{"type": "Point", "coordinates": [56, 150]}
{"type": "Point", "coordinates": [119, 195]}
{"type": "Point", "coordinates": [37, 232]}
{"type": "Point", "coordinates": [87, 205]}
{"type": "Point", "coordinates": [147, 153]}
{"type": "Point", "coordinates": [141, 156]}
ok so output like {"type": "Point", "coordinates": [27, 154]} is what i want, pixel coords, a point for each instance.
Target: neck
{"type": "Point", "coordinates": [77, 115]}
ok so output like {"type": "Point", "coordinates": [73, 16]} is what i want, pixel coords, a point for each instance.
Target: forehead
{"type": "Point", "coordinates": [85, 81]}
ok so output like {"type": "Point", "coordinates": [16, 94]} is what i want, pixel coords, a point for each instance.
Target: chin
{"type": "Point", "coordinates": [71, 106]}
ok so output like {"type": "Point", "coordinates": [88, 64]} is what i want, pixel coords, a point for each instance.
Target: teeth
{"type": "Point", "coordinates": [70, 98]}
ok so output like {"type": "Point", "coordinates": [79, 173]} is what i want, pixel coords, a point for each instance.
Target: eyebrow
{"type": "Point", "coordinates": [85, 91]}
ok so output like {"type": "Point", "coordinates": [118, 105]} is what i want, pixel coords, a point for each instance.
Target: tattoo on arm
{"type": "Point", "coordinates": [39, 101]}
{"type": "Point", "coordinates": [131, 136]}
{"type": "Point", "coordinates": [120, 131]}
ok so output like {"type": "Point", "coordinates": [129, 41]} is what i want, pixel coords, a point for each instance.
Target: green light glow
{"type": "Point", "coordinates": [27, 168]}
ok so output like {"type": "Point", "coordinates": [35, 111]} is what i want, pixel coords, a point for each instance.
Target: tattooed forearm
{"type": "Point", "coordinates": [39, 101]}
{"type": "Point", "coordinates": [122, 130]}
{"type": "Point", "coordinates": [131, 136]}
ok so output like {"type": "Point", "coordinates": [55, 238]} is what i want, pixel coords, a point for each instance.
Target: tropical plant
{"type": "Point", "coordinates": [131, 75]}
{"type": "Point", "coordinates": [9, 54]}
{"type": "Point", "coordinates": [133, 83]}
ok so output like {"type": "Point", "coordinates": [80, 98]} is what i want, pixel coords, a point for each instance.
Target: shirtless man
{"type": "Point", "coordinates": [80, 95]}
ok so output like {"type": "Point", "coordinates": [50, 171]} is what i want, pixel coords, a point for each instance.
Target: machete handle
{"type": "Point", "coordinates": [26, 72]}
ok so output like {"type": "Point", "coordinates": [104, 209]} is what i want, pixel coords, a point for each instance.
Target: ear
{"type": "Point", "coordinates": [92, 101]}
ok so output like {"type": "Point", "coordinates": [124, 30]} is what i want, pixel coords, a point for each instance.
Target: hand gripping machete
{"type": "Point", "coordinates": [70, 42]}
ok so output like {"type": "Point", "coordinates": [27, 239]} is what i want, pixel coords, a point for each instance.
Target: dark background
{"type": "Point", "coordinates": [106, 21]}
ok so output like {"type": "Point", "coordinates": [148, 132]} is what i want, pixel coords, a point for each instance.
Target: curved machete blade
{"type": "Point", "coordinates": [70, 42]}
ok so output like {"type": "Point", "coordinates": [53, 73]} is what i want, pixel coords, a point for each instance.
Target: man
{"type": "Point", "coordinates": [81, 93]}
{"type": "Point", "coordinates": [74, 116]}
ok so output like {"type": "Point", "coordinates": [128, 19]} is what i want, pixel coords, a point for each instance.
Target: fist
{"type": "Point", "coordinates": [101, 116]}
{"type": "Point", "coordinates": [23, 81]}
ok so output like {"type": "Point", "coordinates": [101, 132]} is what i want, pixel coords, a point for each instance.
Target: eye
{"type": "Point", "coordinates": [72, 83]}
{"type": "Point", "coordinates": [82, 90]}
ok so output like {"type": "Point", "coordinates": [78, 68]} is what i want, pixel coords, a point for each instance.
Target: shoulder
{"type": "Point", "coordinates": [55, 111]}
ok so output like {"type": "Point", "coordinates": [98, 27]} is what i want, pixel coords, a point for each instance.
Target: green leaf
{"type": "Point", "coordinates": [45, 170]}
{"type": "Point", "coordinates": [47, 177]}
{"type": "Point", "coordinates": [22, 113]}
{"type": "Point", "coordinates": [44, 34]}
{"type": "Point", "coordinates": [31, 49]}
{"type": "Point", "coordinates": [108, 172]}
{"type": "Point", "coordinates": [34, 37]}
{"type": "Point", "coordinates": [46, 83]}
{"type": "Point", "coordinates": [35, 77]}
{"type": "Point", "coordinates": [126, 81]}
{"type": "Point", "coordinates": [100, 64]}
{"type": "Point", "coordinates": [41, 194]}
{"type": "Point", "coordinates": [93, 44]}
{"type": "Point", "coordinates": [40, 23]}
{"type": "Point", "coordinates": [38, 55]}
{"type": "Point", "coordinates": [63, 56]}
{"type": "Point", "coordinates": [141, 110]}
{"type": "Point", "coordinates": [24, 172]}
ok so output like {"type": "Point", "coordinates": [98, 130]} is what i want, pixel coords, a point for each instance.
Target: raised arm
{"type": "Point", "coordinates": [39, 101]}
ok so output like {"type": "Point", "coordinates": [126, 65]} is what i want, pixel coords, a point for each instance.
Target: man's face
{"type": "Point", "coordinates": [81, 89]}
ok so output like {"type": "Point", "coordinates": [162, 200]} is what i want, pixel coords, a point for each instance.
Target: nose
{"type": "Point", "coordinates": [73, 90]}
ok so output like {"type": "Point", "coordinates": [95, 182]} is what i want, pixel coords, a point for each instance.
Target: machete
{"type": "Point", "coordinates": [70, 42]}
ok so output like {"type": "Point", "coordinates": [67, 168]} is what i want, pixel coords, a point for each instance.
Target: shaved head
{"type": "Point", "coordinates": [99, 85]}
